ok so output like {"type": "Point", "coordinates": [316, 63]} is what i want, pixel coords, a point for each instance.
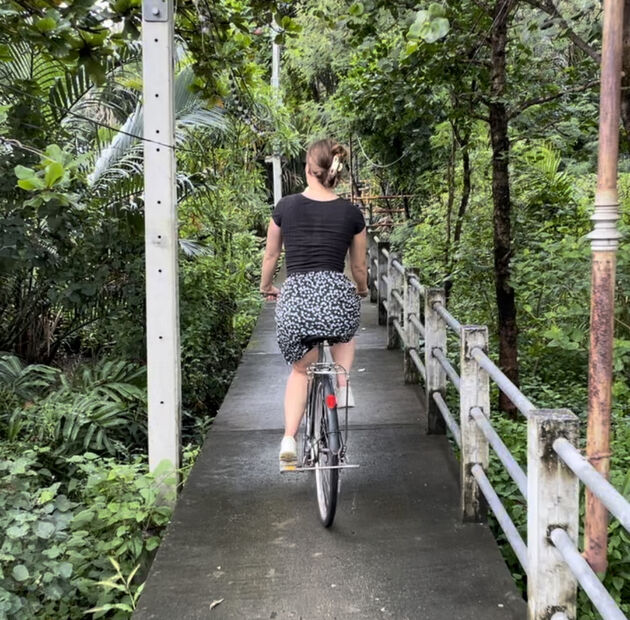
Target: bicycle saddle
{"type": "Point", "coordinates": [313, 341]}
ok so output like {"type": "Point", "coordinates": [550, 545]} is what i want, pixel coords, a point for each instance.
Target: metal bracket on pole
{"type": "Point", "coordinates": [156, 10]}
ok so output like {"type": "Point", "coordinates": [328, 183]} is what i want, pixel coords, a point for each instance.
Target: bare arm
{"type": "Point", "coordinates": [358, 266]}
{"type": "Point", "coordinates": [273, 248]}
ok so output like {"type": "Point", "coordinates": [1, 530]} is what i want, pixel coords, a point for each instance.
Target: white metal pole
{"type": "Point", "coordinates": [275, 87]}
{"type": "Point", "coordinates": [161, 244]}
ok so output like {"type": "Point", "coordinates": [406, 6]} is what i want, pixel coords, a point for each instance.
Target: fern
{"type": "Point", "coordinates": [26, 382]}
{"type": "Point", "coordinates": [101, 406]}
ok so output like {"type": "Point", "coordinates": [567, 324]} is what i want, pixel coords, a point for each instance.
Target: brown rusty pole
{"type": "Point", "coordinates": [604, 242]}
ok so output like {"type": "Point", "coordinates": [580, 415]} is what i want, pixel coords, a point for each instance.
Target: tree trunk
{"type": "Point", "coordinates": [463, 203]}
{"type": "Point", "coordinates": [450, 200]}
{"type": "Point", "coordinates": [625, 75]}
{"type": "Point", "coordinates": [506, 306]}
{"type": "Point", "coordinates": [406, 208]}
{"type": "Point", "coordinates": [448, 250]}
{"type": "Point", "coordinates": [463, 206]}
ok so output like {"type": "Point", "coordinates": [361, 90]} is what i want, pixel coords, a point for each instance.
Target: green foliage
{"type": "Point", "coordinates": [429, 25]}
{"type": "Point", "coordinates": [413, 84]}
{"type": "Point", "coordinates": [101, 408]}
{"type": "Point", "coordinates": [26, 382]}
{"type": "Point", "coordinates": [422, 102]}
{"type": "Point", "coordinates": [121, 499]}
{"type": "Point", "coordinates": [225, 38]}
{"type": "Point", "coordinates": [56, 537]}
{"type": "Point", "coordinates": [34, 520]}
{"type": "Point", "coordinates": [79, 35]}
{"type": "Point", "coordinates": [72, 278]}
{"type": "Point", "coordinates": [122, 584]}
{"type": "Point", "coordinates": [211, 347]}
{"type": "Point", "coordinates": [54, 170]}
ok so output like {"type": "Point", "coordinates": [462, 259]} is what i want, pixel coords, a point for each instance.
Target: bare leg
{"type": "Point", "coordinates": [295, 394]}
{"type": "Point", "coordinates": [343, 354]}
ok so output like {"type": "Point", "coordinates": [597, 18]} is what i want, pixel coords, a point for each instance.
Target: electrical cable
{"type": "Point", "coordinates": [20, 145]}
{"type": "Point", "coordinates": [104, 125]}
{"type": "Point", "coordinates": [405, 153]}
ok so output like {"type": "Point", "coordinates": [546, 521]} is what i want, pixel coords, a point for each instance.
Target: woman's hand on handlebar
{"type": "Point", "coordinates": [271, 293]}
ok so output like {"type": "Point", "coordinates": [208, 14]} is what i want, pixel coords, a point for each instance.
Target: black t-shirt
{"type": "Point", "coordinates": [316, 234]}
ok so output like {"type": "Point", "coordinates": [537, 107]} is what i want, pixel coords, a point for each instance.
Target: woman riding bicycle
{"type": "Point", "coordinates": [317, 229]}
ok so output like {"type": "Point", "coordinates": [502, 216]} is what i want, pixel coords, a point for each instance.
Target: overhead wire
{"type": "Point", "coordinates": [373, 163]}
{"type": "Point", "coordinates": [104, 125]}
{"type": "Point", "coordinates": [21, 146]}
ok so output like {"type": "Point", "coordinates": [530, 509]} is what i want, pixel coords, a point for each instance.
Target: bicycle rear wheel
{"type": "Point", "coordinates": [327, 434]}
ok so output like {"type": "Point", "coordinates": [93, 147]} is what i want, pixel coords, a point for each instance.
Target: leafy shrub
{"type": "Point", "coordinates": [125, 585]}
{"type": "Point", "coordinates": [101, 408]}
{"type": "Point", "coordinates": [217, 315]}
{"type": "Point", "coordinates": [20, 385]}
{"type": "Point", "coordinates": [120, 517]}
{"type": "Point", "coordinates": [35, 571]}
{"type": "Point", "coordinates": [56, 537]}
{"type": "Point", "coordinates": [26, 382]}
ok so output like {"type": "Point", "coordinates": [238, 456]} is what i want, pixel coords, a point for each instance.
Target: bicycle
{"type": "Point", "coordinates": [323, 442]}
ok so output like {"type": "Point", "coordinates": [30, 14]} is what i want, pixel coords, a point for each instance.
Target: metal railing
{"type": "Point", "coordinates": [417, 321]}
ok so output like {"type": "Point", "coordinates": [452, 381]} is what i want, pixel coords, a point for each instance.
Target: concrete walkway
{"type": "Point", "coordinates": [249, 537]}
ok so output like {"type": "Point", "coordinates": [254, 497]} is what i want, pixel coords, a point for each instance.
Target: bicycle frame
{"type": "Point", "coordinates": [317, 373]}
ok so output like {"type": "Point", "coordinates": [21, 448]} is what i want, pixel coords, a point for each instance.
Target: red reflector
{"type": "Point", "coordinates": [331, 401]}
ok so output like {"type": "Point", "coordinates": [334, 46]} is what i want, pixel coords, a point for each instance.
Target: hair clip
{"type": "Point", "coordinates": [336, 166]}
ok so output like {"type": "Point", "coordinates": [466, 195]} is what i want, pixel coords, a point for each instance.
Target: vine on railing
{"type": "Point", "coordinates": [551, 559]}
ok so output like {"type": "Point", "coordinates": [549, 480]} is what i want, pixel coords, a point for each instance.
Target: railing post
{"type": "Point", "coordinates": [552, 502]}
{"type": "Point", "coordinates": [474, 392]}
{"type": "Point", "coordinates": [381, 287]}
{"type": "Point", "coordinates": [372, 268]}
{"type": "Point", "coordinates": [412, 306]}
{"type": "Point", "coordinates": [434, 337]}
{"type": "Point", "coordinates": [394, 311]}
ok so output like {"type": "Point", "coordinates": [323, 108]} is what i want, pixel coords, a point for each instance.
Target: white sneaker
{"type": "Point", "coordinates": [341, 393]}
{"type": "Point", "coordinates": [288, 449]}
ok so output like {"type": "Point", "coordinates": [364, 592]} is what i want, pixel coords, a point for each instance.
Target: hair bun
{"type": "Point", "coordinates": [326, 158]}
{"type": "Point", "coordinates": [340, 150]}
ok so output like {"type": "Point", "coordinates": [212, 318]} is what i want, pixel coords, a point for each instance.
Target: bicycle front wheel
{"type": "Point", "coordinates": [327, 458]}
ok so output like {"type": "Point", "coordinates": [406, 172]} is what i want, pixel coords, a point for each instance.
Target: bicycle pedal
{"type": "Point", "coordinates": [288, 466]}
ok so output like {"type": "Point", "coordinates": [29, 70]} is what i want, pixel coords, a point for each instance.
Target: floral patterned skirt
{"type": "Point", "coordinates": [316, 303]}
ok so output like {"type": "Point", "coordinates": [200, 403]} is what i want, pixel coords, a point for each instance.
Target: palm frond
{"type": "Point", "coordinates": [67, 90]}
{"type": "Point", "coordinates": [81, 106]}
{"type": "Point", "coordinates": [190, 115]}
{"type": "Point", "coordinates": [29, 65]}
{"type": "Point", "coordinates": [123, 149]}
{"type": "Point", "coordinates": [193, 248]}
{"type": "Point", "coordinates": [26, 382]}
